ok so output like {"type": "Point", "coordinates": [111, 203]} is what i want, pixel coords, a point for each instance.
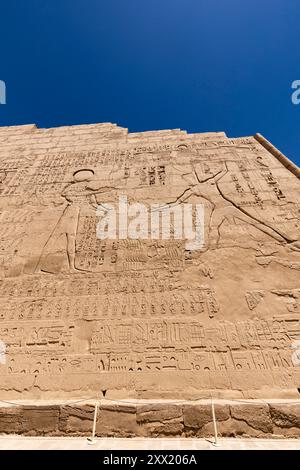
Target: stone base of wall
{"type": "Point", "coordinates": [163, 418]}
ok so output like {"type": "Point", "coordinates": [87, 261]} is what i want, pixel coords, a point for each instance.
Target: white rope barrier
{"type": "Point", "coordinates": [91, 440]}
{"type": "Point", "coordinates": [215, 443]}
{"type": "Point", "coordinates": [173, 402]}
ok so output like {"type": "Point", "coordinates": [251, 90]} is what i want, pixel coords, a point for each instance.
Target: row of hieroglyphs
{"type": "Point", "coordinates": [155, 361]}
{"type": "Point", "coordinates": [46, 338]}
{"type": "Point", "coordinates": [160, 360]}
{"type": "Point", "coordinates": [105, 336]}
{"type": "Point", "coordinates": [19, 174]}
{"type": "Point", "coordinates": [56, 177]}
{"type": "Point", "coordinates": [144, 164]}
{"type": "Point", "coordinates": [217, 336]}
{"type": "Point", "coordinates": [195, 302]}
{"type": "Point", "coordinates": [88, 285]}
{"type": "Point", "coordinates": [93, 253]}
{"type": "Point", "coordinates": [143, 335]}
{"type": "Point", "coordinates": [95, 299]}
{"type": "Point", "coordinates": [110, 155]}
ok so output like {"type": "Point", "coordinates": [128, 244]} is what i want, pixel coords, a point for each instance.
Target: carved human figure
{"type": "Point", "coordinates": [223, 208]}
{"type": "Point", "coordinates": [79, 194]}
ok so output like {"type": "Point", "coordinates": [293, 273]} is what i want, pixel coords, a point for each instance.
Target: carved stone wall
{"type": "Point", "coordinates": [146, 318]}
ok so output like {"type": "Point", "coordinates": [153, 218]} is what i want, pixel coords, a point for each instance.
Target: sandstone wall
{"type": "Point", "coordinates": [147, 318]}
{"type": "Point", "coordinates": [244, 419]}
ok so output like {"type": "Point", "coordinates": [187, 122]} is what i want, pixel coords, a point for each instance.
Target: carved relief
{"type": "Point", "coordinates": [253, 298]}
{"type": "Point", "coordinates": [79, 315]}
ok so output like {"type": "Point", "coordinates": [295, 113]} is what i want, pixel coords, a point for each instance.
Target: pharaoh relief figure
{"type": "Point", "coordinates": [207, 187]}
{"type": "Point", "coordinates": [80, 195]}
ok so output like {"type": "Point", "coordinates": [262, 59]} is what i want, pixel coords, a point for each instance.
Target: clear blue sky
{"type": "Point", "coordinates": [201, 65]}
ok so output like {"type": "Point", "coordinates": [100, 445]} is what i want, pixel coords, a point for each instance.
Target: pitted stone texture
{"type": "Point", "coordinates": [152, 317]}
{"type": "Point", "coordinates": [197, 416]}
{"type": "Point", "coordinates": [10, 421]}
{"type": "Point", "coordinates": [285, 416]}
{"type": "Point", "coordinates": [76, 419]}
{"type": "Point", "coordinates": [155, 420]}
{"type": "Point", "coordinates": [161, 419]}
{"type": "Point", "coordinates": [38, 421]}
{"type": "Point", "coordinates": [255, 415]}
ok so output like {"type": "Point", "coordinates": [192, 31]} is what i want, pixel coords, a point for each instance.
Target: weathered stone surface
{"type": "Point", "coordinates": [10, 421]}
{"type": "Point", "coordinates": [158, 429]}
{"type": "Point", "coordinates": [285, 416]}
{"type": "Point", "coordinates": [162, 419]}
{"type": "Point", "coordinates": [155, 317]}
{"type": "Point", "coordinates": [119, 408]}
{"type": "Point", "coordinates": [76, 419]}
{"type": "Point", "coordinates": [116, 423]}
{"type": "Point", "coordinates": [40, 420]}
{"type": "Point", "coordinates": [158, 413]}
{"type": "Point", "coordinates": [256, 416]}
{"type": "Point", "coordinates": [196, 416]}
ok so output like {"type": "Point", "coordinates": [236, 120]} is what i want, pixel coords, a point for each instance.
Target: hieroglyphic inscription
{"type": "Point", "coordinates": [78, 313]}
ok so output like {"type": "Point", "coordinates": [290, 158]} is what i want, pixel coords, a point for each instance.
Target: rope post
{"type": "Point", "coordinates": [216, 442]}
{"type": "Point", "coordinates": [91, 440]}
